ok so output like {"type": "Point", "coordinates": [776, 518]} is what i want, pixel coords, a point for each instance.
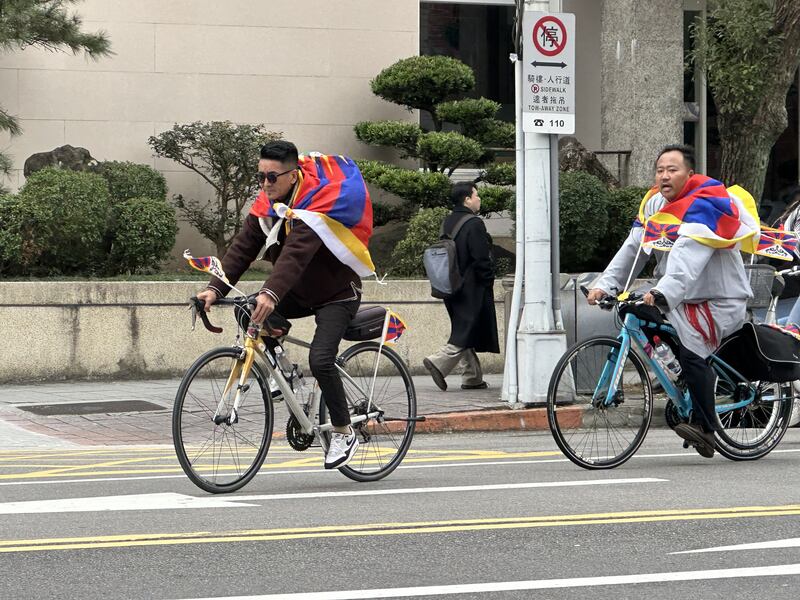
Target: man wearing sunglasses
{"type": "Point", "coordinates": [307, 279]}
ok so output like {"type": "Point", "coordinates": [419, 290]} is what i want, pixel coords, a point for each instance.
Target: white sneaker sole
{"type": "Point", "coordinates": [345, 459]}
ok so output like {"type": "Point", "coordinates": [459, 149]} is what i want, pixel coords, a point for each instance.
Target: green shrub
{"type": "Point", "coordinates": [495, 199]}
{"type": "Point", "coordinates": [623, 208]}
{"type": "Point", "coordinates": [423, 230]}
{"type": "Point", "coordinates": [130, 180]}
{"type": "Point", "coordinates": [401, 135]}
{"type": "Point", "coordinates": [501, 173]}
{"type": "Point", "coordinates": [467, 111]}
{"type": "Point", "coordinates": [58, 222]}
{"type": "Point", "coordinates": [583, 219]}
{"type": "Point", "coordinates": [448, 149]}
{"type": "Point", "coordinates": [423, 81]}
{"type": "Point", "coordinates": [144, 234]}
{"type": "Point", "coordinates": [416, 187]}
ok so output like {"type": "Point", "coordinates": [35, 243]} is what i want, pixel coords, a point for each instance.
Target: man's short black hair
{"type": "Point", "coordinates": [460, 192]}
{"type": "Point", "coordinates": [280, 150]}
{"type": "Point", "coordinates": [687, 151]}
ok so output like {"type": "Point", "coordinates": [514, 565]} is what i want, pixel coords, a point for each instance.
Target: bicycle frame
{"type": "Point", "coordinates": [631, 334]}
{"type": "Point", "coordinates": [255, 349]}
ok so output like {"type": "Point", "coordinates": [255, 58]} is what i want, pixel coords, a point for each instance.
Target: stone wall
{"type": "Point", "coordinates": [69, 330]}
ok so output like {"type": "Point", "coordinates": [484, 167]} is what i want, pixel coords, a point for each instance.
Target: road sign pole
{"type": "Point", "coordinates": [539, 342]}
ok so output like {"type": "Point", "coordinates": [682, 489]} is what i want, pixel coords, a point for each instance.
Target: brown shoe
{"type": "Point", "coordinates": [703, 441]}
{"type": "Point", "coordinates": [436, 374]}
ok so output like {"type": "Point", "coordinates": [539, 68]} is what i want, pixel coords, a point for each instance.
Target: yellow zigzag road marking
{"type": "Point", "coordinates": [450, 526]}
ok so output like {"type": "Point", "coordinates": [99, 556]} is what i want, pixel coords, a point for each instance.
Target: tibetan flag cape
{"type": "Point", "coordinates": [331, 198]}
{"type": "Point", "coordinates": [706, 212]}
{"type": "Point", "coordinates": [777, 243]}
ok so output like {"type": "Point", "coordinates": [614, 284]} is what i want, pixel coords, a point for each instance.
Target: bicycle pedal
{"type": "Point", "coordinates": [685, 444]}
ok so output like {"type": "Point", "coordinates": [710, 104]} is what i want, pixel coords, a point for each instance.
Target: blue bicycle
{"type": "Point", "coordinates": [600, 398]}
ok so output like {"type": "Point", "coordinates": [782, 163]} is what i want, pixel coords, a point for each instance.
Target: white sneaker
{"type": "Point", "coordinates": [342, 449]}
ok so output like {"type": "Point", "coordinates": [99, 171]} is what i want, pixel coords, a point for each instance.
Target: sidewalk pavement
{"type": "Point", "coordinates": [147, 406]}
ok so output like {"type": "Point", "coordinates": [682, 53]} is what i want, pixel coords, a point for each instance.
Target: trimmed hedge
{"type": "Point", "coordinates": [144, 234]}
{"type": "Point", "coordinates": [130, 180]}
{"type": "Point", "coordinates": [583, 219]}
{"type": "Point", "coordinates": [423, 230]}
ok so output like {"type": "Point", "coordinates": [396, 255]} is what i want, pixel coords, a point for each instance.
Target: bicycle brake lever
{"type": "Point", "coordinates": [199, 308]}
{"type": "Point", "coordinates": [193, 308]}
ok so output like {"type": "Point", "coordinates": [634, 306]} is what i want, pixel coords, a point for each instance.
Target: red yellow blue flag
{"type": "Point", "coordinates": [707, 212]}
{"type": "Point", "coordinates": [331, 198]}
{"type": "Point", "coordinates": [394, 328]}
{"type": "Point", "coordinates": [777, 243]}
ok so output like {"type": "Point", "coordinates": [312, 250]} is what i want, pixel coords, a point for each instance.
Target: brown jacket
{"type": "Point", "coordinates": [303, 265]}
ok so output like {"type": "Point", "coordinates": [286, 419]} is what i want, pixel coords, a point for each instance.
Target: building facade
{"type": "Point", "coordinates": [303, 69]}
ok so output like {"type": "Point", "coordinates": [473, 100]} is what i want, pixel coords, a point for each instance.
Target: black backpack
{"type": "Point", "coordinates": [441, 262]}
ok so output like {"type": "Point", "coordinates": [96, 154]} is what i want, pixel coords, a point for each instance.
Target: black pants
{"type": "Point", "coordinates": [701, 381]}
{"type": "Point", "coordinates": [332, 321]}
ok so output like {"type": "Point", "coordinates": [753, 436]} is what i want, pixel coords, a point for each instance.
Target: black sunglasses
{"type": "Point", "coordinates": [270, 176]}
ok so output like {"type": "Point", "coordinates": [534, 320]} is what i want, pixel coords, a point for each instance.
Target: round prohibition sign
{"type": "Point", "coordinates": [550, 31]}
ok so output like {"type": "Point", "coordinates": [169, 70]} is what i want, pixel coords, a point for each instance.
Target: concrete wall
{"type": "Point", "coordinates": [642, 80]}
{"type": "Point", "coordinates": [301, 68]}
{"type": "Point", "coordinates": [67, 330]}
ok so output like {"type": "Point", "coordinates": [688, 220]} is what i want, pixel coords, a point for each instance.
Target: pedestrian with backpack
{"type": "Point", "coordinates": [468, 293]}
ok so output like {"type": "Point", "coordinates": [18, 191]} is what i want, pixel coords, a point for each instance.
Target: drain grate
{"type": "Point", "coordinates": [90, 408]}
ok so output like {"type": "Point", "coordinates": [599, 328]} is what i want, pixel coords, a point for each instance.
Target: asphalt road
{"type": "Point", "coordinates": [466, 516]}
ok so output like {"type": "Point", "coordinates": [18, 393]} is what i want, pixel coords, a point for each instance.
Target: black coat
{"type": "Point", "coordinates": [473, 323]}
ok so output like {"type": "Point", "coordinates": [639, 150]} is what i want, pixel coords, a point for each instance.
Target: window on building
{"type": "Point", "coordinates": [478, 35]}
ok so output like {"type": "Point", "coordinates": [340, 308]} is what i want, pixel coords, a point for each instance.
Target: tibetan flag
{"type": "Point", "coordinates": [659, 236]}
{"type": "Point", "coordinates": [777, 243]}
{"type": "Point", "coordinates": [207, 264]}
{"type": "Point", "coordinates": [706, 212]}
{"type": "Point", "coordinates": [331, 198]}
{"type": "Point", "coordinates": [394, 328]}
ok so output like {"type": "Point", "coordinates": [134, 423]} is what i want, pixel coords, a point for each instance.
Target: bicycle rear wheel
{"type": "Point", "coordinates": [752, 431]}
{"type": "Point", "coordinates": [221, 457]}
{"type": "Point", "coordinates": [590, 433]}
{"type": "Point", "coordinates": [385, 438]}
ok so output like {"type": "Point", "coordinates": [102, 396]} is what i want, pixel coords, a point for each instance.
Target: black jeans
{"type": "Point", "coordinates": [701, 381]}
{"type": "Point", "coordinates": [332, 321]}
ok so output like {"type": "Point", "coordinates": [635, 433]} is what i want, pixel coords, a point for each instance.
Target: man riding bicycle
{"type": "Point", "coordinates": [307, 277]}
{"type": "Point", "coordinates": [702, 286]}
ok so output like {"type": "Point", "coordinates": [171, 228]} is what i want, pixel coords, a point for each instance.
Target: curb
{"type": "Point", "coordinates": [528, 419]}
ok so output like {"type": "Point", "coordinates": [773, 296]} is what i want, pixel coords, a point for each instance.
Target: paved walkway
{"type": "Point", "coordinates": [149, 411]}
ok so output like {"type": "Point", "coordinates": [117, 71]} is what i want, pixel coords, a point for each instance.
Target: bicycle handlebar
{"type": "Point", "coordinates": [608, 302]}
{"type": "Point", "coordinates": [199, 307]}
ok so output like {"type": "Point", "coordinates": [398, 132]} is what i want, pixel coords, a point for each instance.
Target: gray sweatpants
{"type": "Point", "coordinates": [450, 356]}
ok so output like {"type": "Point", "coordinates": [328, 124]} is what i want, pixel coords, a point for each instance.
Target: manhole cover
{"type": "Point", "coordinates": [89, 408]}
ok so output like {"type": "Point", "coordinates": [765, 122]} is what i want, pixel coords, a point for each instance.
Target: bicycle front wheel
{"type": "Point", "coordinates": [376, 382]}
{"type": "Point", "coordinates": [217, 451]}
{"type": "Point", "coordinates": [590, 432]}
{"type": "Point", "coordinates": [752, 431]}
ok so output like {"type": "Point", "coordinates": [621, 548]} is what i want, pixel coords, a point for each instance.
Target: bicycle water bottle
{"type": "Point", "coordinates": [663, 354]}
{"type": "Point", "coordinates": [284, 363]}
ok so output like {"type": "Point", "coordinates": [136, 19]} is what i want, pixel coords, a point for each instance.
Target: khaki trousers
{"type": "Point", "coordinates": [450, 356]}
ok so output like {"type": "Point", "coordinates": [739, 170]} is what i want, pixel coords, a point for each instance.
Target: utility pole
{"type": "Point", "coordinates": [536, 336]}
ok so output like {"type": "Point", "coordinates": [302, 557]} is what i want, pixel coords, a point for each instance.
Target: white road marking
{"type": "Point", "coordinates": [789, 543]}
{"type": "Point", "coordinates": [171, 501]}
{"type": "Point", "coordinates": [107, 503]}
{"type": "Point", "coordinates": [540, 584]}
{"type": "Point", "coordinates": [320, 471]}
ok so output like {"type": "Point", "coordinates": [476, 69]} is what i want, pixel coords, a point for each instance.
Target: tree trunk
{"type": "Point", "coordinates": [746, 146]}
{"type": "Point", "coordinates": [745, 151]}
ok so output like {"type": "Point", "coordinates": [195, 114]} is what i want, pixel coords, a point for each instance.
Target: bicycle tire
{"type": "Point", "coordinates": [197, 401]}
{"type": "Point", "coordinates": [575, 420]}
{"type": "Point", "coordinates": [763, 422]}
{"type": "Point", "coordinates": [385, 440]}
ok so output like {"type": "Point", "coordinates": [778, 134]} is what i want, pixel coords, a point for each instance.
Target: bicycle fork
{"type": "Point", "coordinates": [240, 371]}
